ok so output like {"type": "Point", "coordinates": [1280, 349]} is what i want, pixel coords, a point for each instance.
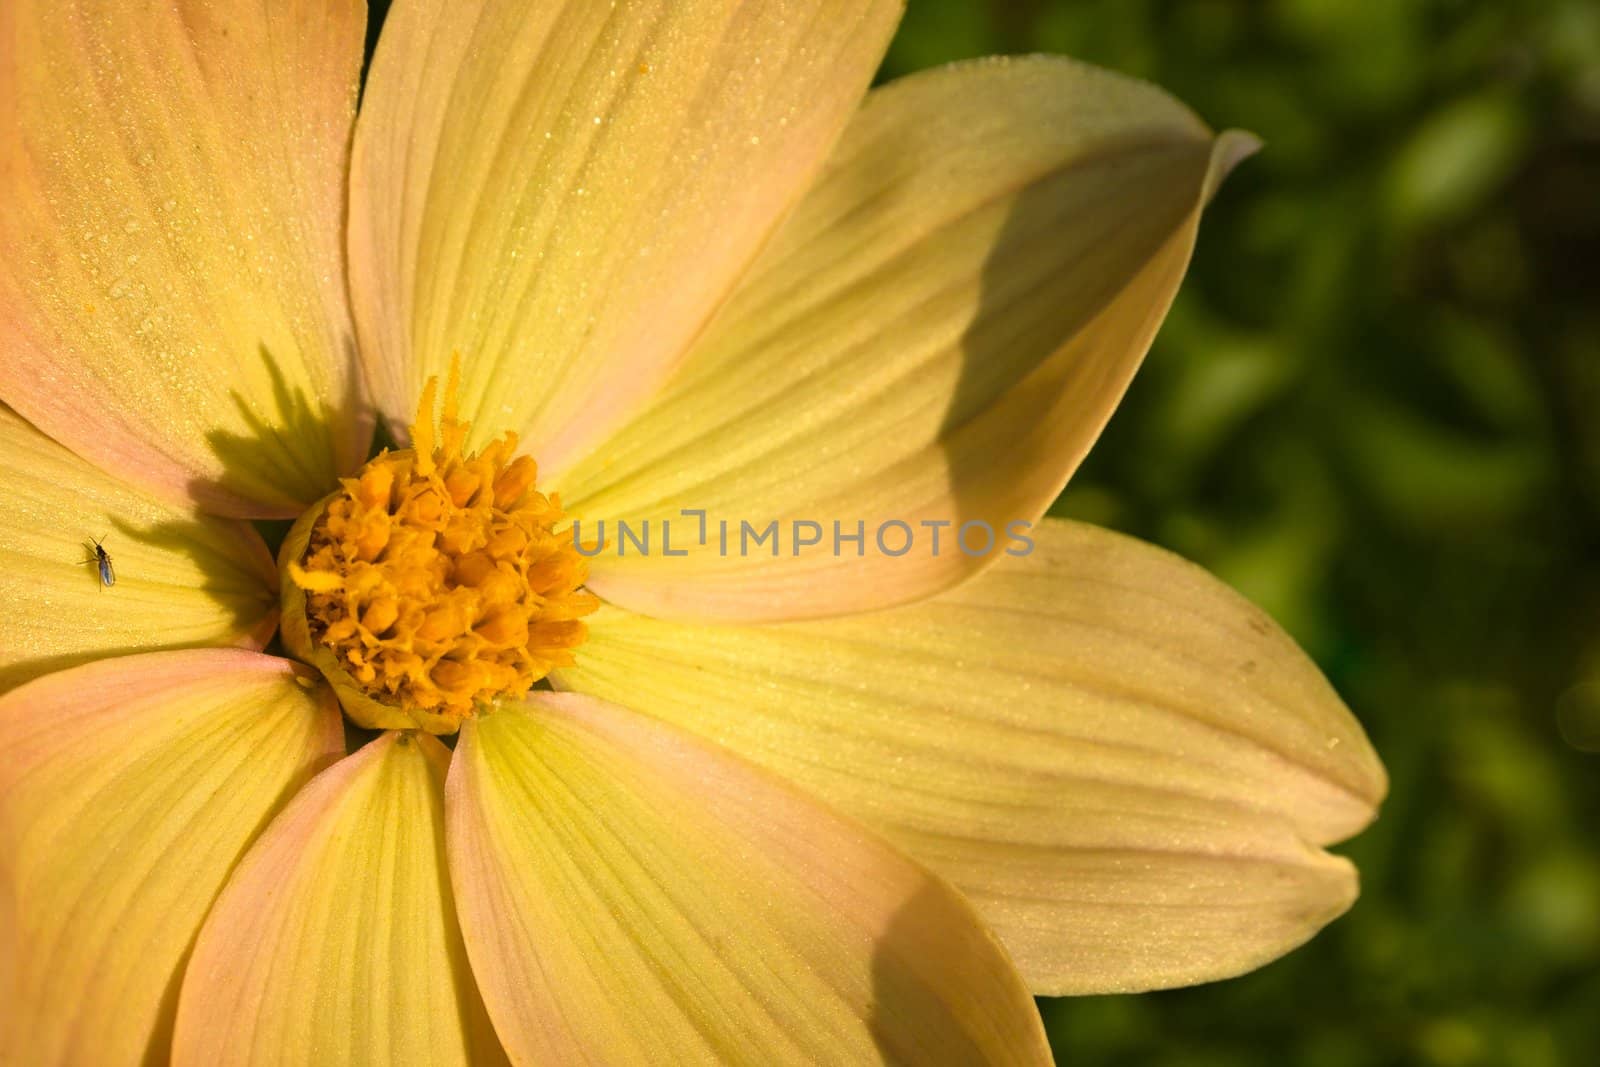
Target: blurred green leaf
{"type": "Point", "coordinates": [1457, 158]}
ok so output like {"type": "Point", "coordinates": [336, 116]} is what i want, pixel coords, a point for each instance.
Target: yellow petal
{"type": "Point", "coordinates": [562, 192]}
{"type": "Point", "coordinates": [128, 790]}
{"type": "Point", "coordinates": [632, 896]}
{"type": "Point", "coordinates": [172, 294]}
{"type": "Point", "coordinates": [936, 336]}
{"type": "Point", "coordinates": [1122, 763]}
{"type": "Point", "coordinates": [335, 942]}
{"type": "Point", "coordinates": [182, 579]}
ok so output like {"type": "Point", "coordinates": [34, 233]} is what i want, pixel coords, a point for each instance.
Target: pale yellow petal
{"type": "Point", "coordinates": [631, 895]}
{"type": "Point", "coordinates": [936, 337]}
{"type": "Point", "coordinates": [563, 192]}
{"type": "Point", "coordinates": [182, 579]}
{"type": "Point", "coordinates": [129, 788]}
{"type": "Point", "coordinates": [172, 284]}
{"type": "Point", "coordinates": [335, 941]}
{"type": "Point", "coordinates": [1122, 763]}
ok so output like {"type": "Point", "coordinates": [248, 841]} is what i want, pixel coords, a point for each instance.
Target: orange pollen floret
{"type": "Point", "coordinates": [438, 578]}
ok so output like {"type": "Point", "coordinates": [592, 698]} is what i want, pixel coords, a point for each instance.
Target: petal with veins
{"type": "Point", "coordinates": [183, 579]}
{"type": "Point", "coordinates": [937, 335]}
{"type": "Point", "coordinates": [129, 788]}
{"type": "Point", "coordinates": [563, 192]}
{"type": "Point", "coordinates": [172, 284]}
{"type": "Point", "coordinates": [631, 895]}
{"type": "Point", "coordinates": [335, 942]}
{"type": "Point", "coordinates": [1125, 765]}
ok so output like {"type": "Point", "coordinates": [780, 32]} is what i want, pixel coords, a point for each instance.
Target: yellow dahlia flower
{"type": "Point", "coordinates": [845, 802]}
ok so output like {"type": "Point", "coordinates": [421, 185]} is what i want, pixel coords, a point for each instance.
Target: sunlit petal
{"type": "Point", "coordinates": [129, 788]}
{"type": "Point", "coordinates": [936, 337]}
{"type": "Point", "coordinates": [631, 895]}
{"type": "Point", "coordinates": [1125, 765]}
{"type": "Point", "coordinates": [182, 579]}
{"type": "Point", "coordinates": [172, 291]}
{"type": "Point", "coordinates": [335, 942]}
{"type": "Point", "coordinates": [563, 192]}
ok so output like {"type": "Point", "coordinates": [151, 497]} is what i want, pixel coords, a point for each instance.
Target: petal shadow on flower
{"type": "Point", "coordinates": [180, 578]}
{"type": "Point", "coordinates": [924, 352]}
{"type": "Point", "coordinates": [296, 417]}
{"type": "Point", "coordinates": [243, 600]}
{"type": "Point", "coordinates": [1083, 264]}
{"type": "Point", "coordinates": [977, 1012]}
{"type": "Point", "coordinates": [1007, 349]}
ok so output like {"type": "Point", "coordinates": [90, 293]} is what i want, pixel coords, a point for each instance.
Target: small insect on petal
{"type": "Point", "coordinates": [100, 559]}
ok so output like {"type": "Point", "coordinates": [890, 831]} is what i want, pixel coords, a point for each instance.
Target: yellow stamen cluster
{"type": "Point", "coordinates": [437, 579]}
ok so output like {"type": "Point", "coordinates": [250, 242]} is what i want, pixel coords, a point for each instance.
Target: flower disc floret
{"type": "Point", "coordinates": [435, 580]}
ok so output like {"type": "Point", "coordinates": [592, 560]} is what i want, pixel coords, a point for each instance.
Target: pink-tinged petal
{"type": "Point", "coordinates": [172, 283]}
{"type": "Point", "coordinates": [563, 192]}
{"type": "Point", "coordinates": [936, 337]}
{"type": "Point", "coordinates": [129, 788]}
{"type": "Point", "coordinates": [1126, 766]}
{"type": "Point", "coordinates": [183, 579]}
{"type": "Point", "coordinates": [335, 941]}
{"type": "Point", "coordinates": [631, 895]}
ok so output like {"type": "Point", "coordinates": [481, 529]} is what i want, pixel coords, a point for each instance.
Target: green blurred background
{"type": "Point", "coordinates": [1374, 410]}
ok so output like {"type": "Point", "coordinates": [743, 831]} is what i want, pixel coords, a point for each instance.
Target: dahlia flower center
{"type": "Point", "coordinates": [435, 581]}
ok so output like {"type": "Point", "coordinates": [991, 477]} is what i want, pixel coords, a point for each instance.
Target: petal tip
{"type": "Point", "coordinates": [1231, 148]}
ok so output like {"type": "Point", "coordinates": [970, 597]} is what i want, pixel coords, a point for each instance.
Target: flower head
{"type": "Point", "coordinates": [434, 581]}
{"type": "Point", "coordinates": [842, 797]}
